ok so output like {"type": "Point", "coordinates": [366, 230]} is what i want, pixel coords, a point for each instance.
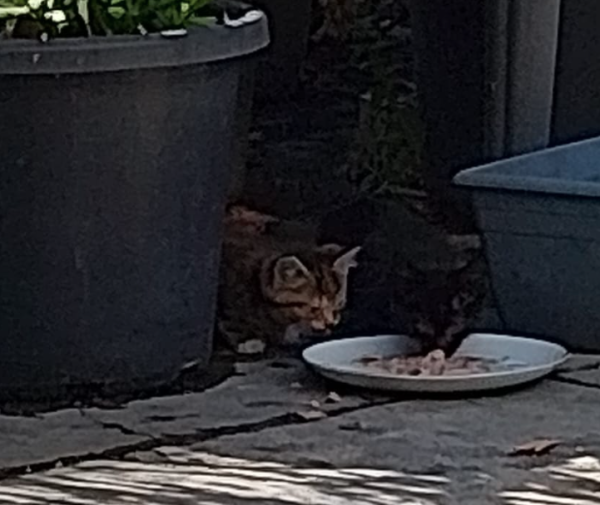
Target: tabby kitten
{"type": "Point", "coordinates": [275, 288]}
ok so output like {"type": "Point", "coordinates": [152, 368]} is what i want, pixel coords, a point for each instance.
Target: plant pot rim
{"type": "Point", "coordinates": [131, 52]}
{"type": "Point", "coordinates": [550, 171]}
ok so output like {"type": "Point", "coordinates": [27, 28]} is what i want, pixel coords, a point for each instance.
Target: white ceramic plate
{"type": "Point", "coordinates": [528, 360]}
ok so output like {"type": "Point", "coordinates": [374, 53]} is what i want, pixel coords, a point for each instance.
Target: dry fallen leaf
{"type": "Point", "coordinates": [333, 397]}
{"type": "Point", "coordinates": [535, 447]}
{"type": "Point", "coordinates": [312, 415]}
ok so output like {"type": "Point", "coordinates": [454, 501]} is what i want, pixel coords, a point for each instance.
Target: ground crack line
{"type": "Point", "coordinates": [581, 368]}
{"type": "Point", "coordinates": [201, 435]}
{"type": "Point", "coordinates": [112, 425]}
{"type": "Point", "coordinates": [575, 382]}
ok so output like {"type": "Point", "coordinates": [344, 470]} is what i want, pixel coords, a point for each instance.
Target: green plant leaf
{"type": "Point", "coordinates": [107, 17]}
{"type": "Point", "coordinates": [116, 12]}
{"type": "Point", "coordinates": [13, 12]}
{"type": "Point", "coordinates": [202, 20]}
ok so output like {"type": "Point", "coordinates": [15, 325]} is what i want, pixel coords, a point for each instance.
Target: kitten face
{"type": "Point", "coordinates": [309, 288]}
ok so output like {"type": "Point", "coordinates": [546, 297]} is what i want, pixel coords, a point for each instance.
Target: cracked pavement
{"type": "Point", "coordinates": [250, 439]}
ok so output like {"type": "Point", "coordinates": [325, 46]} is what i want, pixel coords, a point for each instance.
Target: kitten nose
{"type": "Point", "coordinates": [318, 325]}
{"type": "Point", "coordinates": [324, 327]}
{"type": "Point", "coordinates": [324, 324]}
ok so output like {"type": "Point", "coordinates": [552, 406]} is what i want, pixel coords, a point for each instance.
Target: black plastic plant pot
{"type": "Point", "coordinates": [540, 215]}
{"type": "Point", "coordinates": [115, 160]}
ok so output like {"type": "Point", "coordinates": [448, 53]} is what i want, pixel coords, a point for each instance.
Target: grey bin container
{"type": "Point", "coordinates": [115, 160]}
{"type": "Point", "coordinates": [540, 216]}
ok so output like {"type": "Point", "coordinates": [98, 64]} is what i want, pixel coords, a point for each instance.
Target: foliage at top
{"type": "Point", "coordinates": [388, 156]}
{"type": "Point", "coordinates": [64, 18]}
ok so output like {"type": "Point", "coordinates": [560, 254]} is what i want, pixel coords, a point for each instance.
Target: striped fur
{"type": "Point", "coordinates": [272, 286]}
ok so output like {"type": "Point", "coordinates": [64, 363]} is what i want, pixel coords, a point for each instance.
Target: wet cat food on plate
{"type": "Point", "coordinates": [434, 364]}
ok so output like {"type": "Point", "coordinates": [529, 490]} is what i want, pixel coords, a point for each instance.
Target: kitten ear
{"type": "Point", "coordinates": [330, 249]}
{"type": "Point", "coordinates": [289, 271]}
{"type": "Point", "coordinates": [347, 260]}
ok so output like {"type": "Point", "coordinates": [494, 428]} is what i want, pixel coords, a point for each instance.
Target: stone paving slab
{"type": "Point", "coordinates": [408, 453]}
{"type": "Point", "coordinates": [464, 444]}
{"type": "Point", "coordinates": [45, 438]}
{"type": "Point", "coordinates": [582, 369]}
{"type": "Point", "coordinates": [421, 451]}
{"type": "Point", "coordinates": [584, 377]}
{"type": "Point", "coordinates": [205, 479]}
{"type": "Point", "coordinates": [261, 393]}
{"type": "Point", "coordinates": [578, 362]}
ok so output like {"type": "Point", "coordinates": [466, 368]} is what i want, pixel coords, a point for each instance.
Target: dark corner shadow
{"type": "Point", "coordinates": [31, 402]}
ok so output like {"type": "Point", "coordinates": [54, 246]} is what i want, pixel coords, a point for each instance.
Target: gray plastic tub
{"type": "Point", "coordinates": [540, 215]}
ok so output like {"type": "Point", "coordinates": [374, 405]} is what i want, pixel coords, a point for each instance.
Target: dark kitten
{"type": "Point", "coordinates": [440, 304]}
